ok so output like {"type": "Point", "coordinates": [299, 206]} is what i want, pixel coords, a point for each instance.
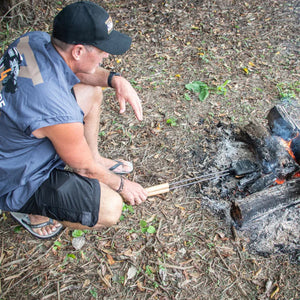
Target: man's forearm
{"type": "Point", "coordinates": [99, 78]}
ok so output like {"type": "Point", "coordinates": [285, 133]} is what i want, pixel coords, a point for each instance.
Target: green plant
{"type": "Point", "coordinates": [149, 271]}
{"type": "Point", "coordinates": [172, 121]}
{"type": "Point", "coordinates": [78, 233]}
{"type": "Point", "coordinates": [94, 293]}
{"type": "Point", "coordinates": [221, 89]}
{"type": "Point", "coordinates": [288, 90]}
{"type": "Point", "coordinates": [17, 229]}
{"type": "Point", "coordinates": [200, 88]}
{"type": "Point", "coordinates": [145, 228]}
{"type": "Point", "coordinates": [135, 84]}
{"type": "Point", "coordinates": [122, 279]}
{"type": "Point", "coordinates": [127, 207]}
{"type": "Point", "coordinates": [69, 257]}
{"type": "Point", "coordinates": [187, 97]}
{"type": "Point", "coordinates": [57, 245]}
{"type": "Point", "coordinates": [210, 245]}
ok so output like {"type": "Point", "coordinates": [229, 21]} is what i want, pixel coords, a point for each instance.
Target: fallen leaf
{"type": "Point", "coordinates": [140, 286]}
{"type": "Point", "coordinates": [111, 261]}
{"type": "Point", "coordinates": [131, 272]}
{"type": "Point", "coordinates": [246, 70]}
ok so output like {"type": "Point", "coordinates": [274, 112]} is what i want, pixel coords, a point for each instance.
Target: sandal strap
{"type": "Point", "coordinates": [41, 225]}
{"type": "Point", "coordinates": [118, 164]}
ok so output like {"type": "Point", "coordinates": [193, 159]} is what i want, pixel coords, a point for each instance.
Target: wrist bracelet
{"type": "Point", "coordinates": [110, 76]}
{"type": "Point", "coordinates": [120, 189]}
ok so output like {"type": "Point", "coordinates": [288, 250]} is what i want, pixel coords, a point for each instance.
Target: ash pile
{"type": "Point", "coordinates": [261, 197]}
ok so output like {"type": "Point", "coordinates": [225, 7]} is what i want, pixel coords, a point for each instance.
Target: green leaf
{"type": "Point", "coordinates": [131, 209]}
{"type": "Point", "coordinates": [77, 233]}
{"type": "Point", "coordinates": [17, 229]}
{"type": "Point", "coordinates": [203, 94]}
{"type": "Point", "coordinates": [94, 293]}
{"type": "Point", "coordinates": [195, 86]}
{"type": "Point", "coordinates": [57, 243]}
{"type": "Point", "coordinates": [128, 207]}
{"type": "Point", "coordinates": [200, 88]}
{"type": "Point", "coordinates": [151, 229]}
{"type": "Point", "coordinates": [70, 255]}
{"type": "Point", "coordinates": [143, 224]}
{"type": "Point", "coordinates": [187, 97]}
{"type": "Point", "coordinates": [172, 121]}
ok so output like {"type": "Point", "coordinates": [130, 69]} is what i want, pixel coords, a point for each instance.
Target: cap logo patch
{"type": "Point", "coordinates": [109, 24]}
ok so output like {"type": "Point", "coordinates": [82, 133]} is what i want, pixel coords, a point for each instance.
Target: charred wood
{"type": "Point", "coordinates": [295, 146]}
{"type": "Point", "coordinates": [282, 123]}
{"type": "Point", "coordinates": [260, 204]}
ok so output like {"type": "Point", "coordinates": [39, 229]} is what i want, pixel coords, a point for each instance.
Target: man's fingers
{"type": "Point", "coordinates": [122, 104]}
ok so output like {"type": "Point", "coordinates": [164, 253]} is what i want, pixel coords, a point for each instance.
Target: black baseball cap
{"type": "Point", "coordinates": [88, 23]}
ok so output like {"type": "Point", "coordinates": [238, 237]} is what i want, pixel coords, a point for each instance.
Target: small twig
{"type": "Point", "coordinates": [44, 254]}
{"type": "Point", "coordinates": [12, 8]}
{"type": "Point", "coordinates": [232, 273]}
{"type": "Point", "coordinates": [158, 230]}
{"type": "Point", "coordinates": [172, 266]}
{"type": "Point", "coordinates": [225, 264]}
{"type": "Point", "coordinates": [16, 283]}
{"type": "Point", "coordinates": [13, 263]}
{"type": "Point", "coordinates": [55, 293]}
{"type": "Point", "coordinates": [58, 291]}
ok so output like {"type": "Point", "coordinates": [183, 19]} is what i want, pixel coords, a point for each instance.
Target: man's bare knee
{"type": "Point", "coordinates": [111, 204]}
{"type": "Point", "coordinates": [88, 97]}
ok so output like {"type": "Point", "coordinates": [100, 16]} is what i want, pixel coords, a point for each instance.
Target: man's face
{"type": "Point", "coordinates": [91, 58]}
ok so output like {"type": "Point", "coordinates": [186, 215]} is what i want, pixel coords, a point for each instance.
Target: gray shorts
{"type": "Point", "coordinates": [66, 196]}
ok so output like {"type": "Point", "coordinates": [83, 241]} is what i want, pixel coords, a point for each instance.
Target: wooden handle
{"type": "Point", "coordinates": [158, 189]}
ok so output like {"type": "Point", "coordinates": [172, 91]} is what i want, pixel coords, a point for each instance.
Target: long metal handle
{"type": "Point", "coordinates": [166, 187]}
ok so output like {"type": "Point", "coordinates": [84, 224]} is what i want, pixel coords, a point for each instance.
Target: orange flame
{"type": "Point", "coordinates": [280, 181]}
{"type": "Point", "coordinates": [287, 145]}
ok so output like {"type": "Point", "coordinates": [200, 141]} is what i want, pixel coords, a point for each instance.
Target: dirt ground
{"type": "Point", "coordinates": [172, 246]}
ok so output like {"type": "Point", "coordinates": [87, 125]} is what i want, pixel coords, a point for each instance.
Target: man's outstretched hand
{"type": "Point", "coordinates": [126, 93]}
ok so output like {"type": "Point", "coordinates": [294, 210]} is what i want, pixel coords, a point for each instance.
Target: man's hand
{"type": "Point", "coordinates": [124, 90]}
{"type": "Point", "coordinates": [70, 144]}
{"type": "Point", "coordinates": [133, 193]}
{"type": "Point", "coordinates": [126, 93]}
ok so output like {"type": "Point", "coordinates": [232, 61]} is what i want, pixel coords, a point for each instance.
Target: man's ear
{"type": "Point", "coordinates": [77, 51]}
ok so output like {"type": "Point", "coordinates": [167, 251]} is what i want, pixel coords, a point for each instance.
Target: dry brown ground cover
{"type": "Point", "coordinates": [192, 254]}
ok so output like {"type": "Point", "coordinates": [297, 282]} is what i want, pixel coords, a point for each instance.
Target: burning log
{"type": "Point", "coordinates": [295, 146]}
{"type": "Point", "coordinates": [282, 123]}
{"type": "Point", "coordinates": [276, 185]}
{"type": "Point", "coordinates": [273, 155]}
{"type": "Point", "coordinates": [261, 204]}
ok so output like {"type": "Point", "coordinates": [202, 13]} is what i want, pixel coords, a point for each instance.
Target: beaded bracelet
{"type": "Point", "coordinates": [120, 189]}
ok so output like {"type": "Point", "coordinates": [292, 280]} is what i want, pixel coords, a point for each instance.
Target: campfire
{"type": "Point", "coordinates": [264, 202]}
{"type": "Point", "coordinates": [277, 152]}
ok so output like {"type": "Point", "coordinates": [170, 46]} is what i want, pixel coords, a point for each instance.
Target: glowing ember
{"type": "Point", "coordinates": [297, 175]}
{"type": "Point", "coordinates": [280, 181]}
{"type": "Point", "coordinates": [287, 145]}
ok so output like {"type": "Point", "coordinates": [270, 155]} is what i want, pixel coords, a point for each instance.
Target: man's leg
{"type": "Point", "coordinates": [110, 210]}
{"type": "Point", "coordinates": [89, 99]}
{"type": "Point", "coordinates": [72, 199]}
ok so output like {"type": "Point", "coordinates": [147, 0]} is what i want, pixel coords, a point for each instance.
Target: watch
{"type": "Point", "coordinates": [110, 76]}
